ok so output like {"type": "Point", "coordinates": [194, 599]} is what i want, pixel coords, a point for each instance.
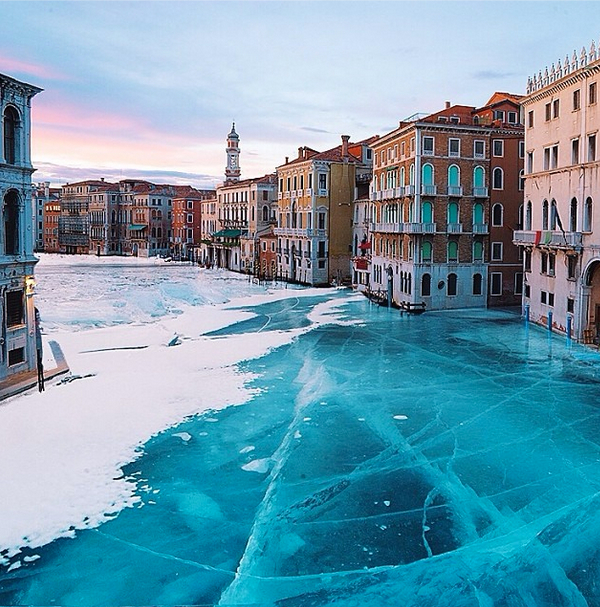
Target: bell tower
{"type": "Point", "coordinates": [232, 170]}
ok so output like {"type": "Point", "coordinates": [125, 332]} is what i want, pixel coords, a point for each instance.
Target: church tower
{"type": "Point", "coordinates": [232, 171]}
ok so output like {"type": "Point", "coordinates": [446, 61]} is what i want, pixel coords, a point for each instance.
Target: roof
{"type": "Point", "coordinates": [227, 233]}
{"type": "Point", "coordinates": [136, 227]}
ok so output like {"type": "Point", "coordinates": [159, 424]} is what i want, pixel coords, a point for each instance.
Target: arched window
{"type": "Point", "coordinates": [452, 251]}
{"type": "Point", "coordinates": [11, 123]}
{"type": "Point", "coordinates": [427, 212]}
{"type": "Point", "coordinates": [478, 250]}
{"type": "Point", "coordinates": [427, 174]}
{"type": "Point", "coordinates": [452, 284]}
{"type": "Point", "coordinates": [478, 177]}
{"type": "Point", "coordinates": [553, 214]}
{"type": "Point", "coordinates": [426, 252]}
{"type": "Point", "coordinates": [497, 215]}
{"type": "Point", "coordinates": [11, 223]}
{"type": "Point", "coordinates": [528, 216]}
{"type": "Point", "coordinates": [426, 285]}
{"type": "Point", "coordinates": [520, 218]}
{"type": "Point", "coordinates": [452, 213]}
{"type": "Point", "coordinates": [573, 216]}
{"type": "Point", "coordinates": [265, 213]}
{"type": "Point", "coordinates": [411, 175]}
{"type": "Point", "coordinates": [453, 176]}
{"type": "Point", "coordinates": [545, 215]}
{"type": "Point", "coordinates": [402, 177]}
{"type": "Point", "coordinates": [477, 282]}
{"type": "Point", "coordinates": [381, 182]}
{"type": "Point", "coordinates": [521, 180]}
{"type": "Point", "coordinates": [587, 216]}
{"type": "Point", "coordinates": [498, 179]}
{"type": "Point", "coordinates": [477, 214]}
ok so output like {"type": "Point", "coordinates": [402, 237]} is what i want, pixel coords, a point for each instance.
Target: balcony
{"type": "Point", "coordinates": [480, 192]}
{"type": "Point", "coordinates": [387, 194]}
{"type": "Point", "coordinates": [308, 192]}
{"type": "Point", "coordinates": [455, 190]}
{"type": "Point", "coordinates": [428, 190]}
{"type": "Point", "coordinates": [409, 190]}
{"type": "Point", "coordinates": [480, 228]}
{"type": "Point", "coordinates": [454, 228]}
{"type": "Point", "coordinates": [553, 239]}
{"type": "Point", "coordinates": [388, 228]}
{"type": "Point", "coordinates": [399, 192]}
{"type": "Point", "coordinates": [322, 192]}
{"type": "Point", "coordinates": [418, 228]}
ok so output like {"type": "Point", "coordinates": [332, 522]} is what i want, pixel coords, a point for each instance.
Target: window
{"type": "Point", "coordinates": [452, 284]}
{"type": "Point", "coordinates": [16, 356]}
{"type": "Point", "coordinates": [11, 123]}
{"type": "Point", "coordinates": [454, 147]}
{"type": "Point", "coordinates": [527, 261]}
{"type": "Point", "coordinates": [403, 148]}
{"type": "Point", "coordinates": [573, 216]}
{"type": "Point", "coordinates": [453, 177]}
{"type": "Point", "coordinates": [571, 267]}
{"type": "Point", "coordinates": [11, 223]}
{"type": "Point", "coordinates": [499, 115]}
{"type": "Point", "coordinates": [546, 164]}
{"type": "Point", "coordinates": [592, 93]}
{"type": "Point", "coordinates": [496, 251]}
{"type": "Point", "coordinates": [426, 252]}
{"type": "Point", "coordinates": [521, 149]}
{"type": "Point", "coordinates": [190, 218]}
{"type": "Point", "coordinates": [321, 221]}
{"type": "Point", "coordinates": [427, 174]}
{"type": "Point", "coordinates": [544, 263]}
{"type": "Point", "coordinates": [521, 180]}
{"type": "Point", "coordinates": [412, 145]}
{"type": "Point", "coordinates": [497, 215]}
{"type": "Point", "coordinates": [452, 252]}
{"type": "Point", "coordinates": [548, 111]}
{"type": "Point", "coordinates": [498, 179]}
{"type": "Point", "coordinates": [452, 213]}
{"type": "Point", "coordinates": [575, 151]}
{"type": "Point", "coordinates": [591, 148]}
{"type": "Point", "coordinates": [498, 147]}
{"type": "Point", "coordinates": [529, 162]}
{"type": "Point", "coordinates": [478, 177]}
{"type": "Point", "coordinates": [530, 119]}
{"type": "Point", "coordinates": [496, 279]}
{"type": "Point", "coordinates": [570, 305]}
{"type": "Point", "coordinates": [15, 308]}
{"type": "Point", "coordinates": [477, 214]}
{"type": "Point", "coordinates": [322, 181]}
{"type": "Point", "coordinates": [545, 215]}
{"type": "Point", "coordinates": [587, 216]}
{"type": "Point", "coordinates": [553, 214]}
{"type": "Point", "coordinates": [543, 296]}
{"type": "Point", "coordinates": [512, 117]}
{"type": "Point", "coordinates": [479, 149]}
{"type": "Point", "coordinates": [555, 108]}
{"type": "Point", "coordinates": [427, 212]}
{"type": "Point", "coordinates": [428, 146]}
{"type": "Point", "coordinates": [477, 284]}
{"type": "Point", "coordinates": [576, 99]}
{"type": "Point", "coordinates": [550, 299]}
{"type": "Point", "coordinates": [478, 251]}
{"type": "Point", "coordinates": [554, 157]}
{"type": "Point", "coordinates": [426, 285]}
{"type": "Point", "coordinates": [551, 264]}
{"type": "Point", "coordinates": [321, 249]}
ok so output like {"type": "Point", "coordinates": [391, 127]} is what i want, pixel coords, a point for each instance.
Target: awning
{"type": "Point", "coordinates": [227, 234]}
{"type": "Point", "coordinates": [136, 227]}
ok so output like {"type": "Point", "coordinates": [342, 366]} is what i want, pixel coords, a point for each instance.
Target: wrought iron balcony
{"type": "Point", "coordinates": [550, 238]}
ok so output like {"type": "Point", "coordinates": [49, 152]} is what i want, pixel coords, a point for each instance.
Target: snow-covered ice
{"type": "Point", "coordinates": [297, 447]}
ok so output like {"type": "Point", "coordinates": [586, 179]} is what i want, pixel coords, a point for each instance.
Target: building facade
{"type": "Point", "coordinates": [560, 238]}
{"type": "Point", "coordinates": [430, 229]}
{"type": "Point", "coordinates": [186, 227]}
{"type": "Point", "coordinates": [51, 217]}
{"type": "Point", "coordinates": [18, 338]}
{"type": "Point", "coordinates": [314, 217]}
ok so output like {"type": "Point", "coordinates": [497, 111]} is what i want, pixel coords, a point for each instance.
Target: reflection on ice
{"type": "Point", "coordinates": [450, 459]}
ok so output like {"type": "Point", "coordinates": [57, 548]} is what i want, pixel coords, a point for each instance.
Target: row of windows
{"type": "Point", "coordinates": [391, 213]}
{"type": "Point", "coordinates": [552, 108]}
{"type": "Point", "coordinates": [551, 218]}
{"type": "Point", "coordinates": [550, 159]}
{"type": "Point", "coordinates": [296, 182]}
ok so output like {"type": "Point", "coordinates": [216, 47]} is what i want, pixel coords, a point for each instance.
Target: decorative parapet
{"type": "Point", "coordinates": [560, 70]}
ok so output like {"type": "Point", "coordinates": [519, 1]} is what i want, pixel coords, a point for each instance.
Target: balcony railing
{"type": "Point", "coordinates": [429, 190]}
{"type": "Point", "coordinates": [399, 192]}
{"type": "Point", "coordinates": [480, 192]}
{"type": "Point", "coordinates": [418, 228]}
{"type": "Point", "coordinates": [480, 228]}
{"type": "Point", "coordinates": [322, 192]}
{"type": "Point", "coordinates": [554, 239]}
{"type": "Point", "coordinates": [409, 190]}
{"type": "Point", "coordinates": [455, 190]}
{"type": "Point", "coordinates": [387, 227]}
{"type": "Point", "coordinates": [455, 228]}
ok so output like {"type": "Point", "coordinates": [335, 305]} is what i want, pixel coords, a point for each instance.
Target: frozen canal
{"type": "Point", "coordinates": [373, 459]}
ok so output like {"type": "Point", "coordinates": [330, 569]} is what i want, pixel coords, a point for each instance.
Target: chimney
{"type": "Point", "coordinates": [287, 159]}
{"type": "Point", "coordinates": [300, 152]}
{"type": "Point", "coordinates": [448, 104]}
{"type": "Point", "coordinates": [345, 139]}
{"type": "Point", "coordinates": [46, 189]}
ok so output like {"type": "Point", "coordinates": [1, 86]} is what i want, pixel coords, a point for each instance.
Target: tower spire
{"type": "Point", "coordinates": [232, 170]}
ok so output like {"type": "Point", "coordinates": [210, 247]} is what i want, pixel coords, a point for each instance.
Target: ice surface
{"type": "Point", "coordinates": [447, 459]}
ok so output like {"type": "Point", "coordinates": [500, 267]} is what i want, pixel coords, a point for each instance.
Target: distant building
{"type": "Point", "coordinates": [315, 196]}
{"type": "Point", "coordinates": [186, 227]}
{"type": "Point", "coordinates": [51, 218]}
{"type": "Point", "coordinates": [41, 195]}
{"type": "Point", "coordinates": [17, 339]}
{"type": "Point", "coordinates": [209, 224]}
{"type": "Point", "coordinates": [434, 179]}
{"type": "Point", "coordinates": [560, 237]}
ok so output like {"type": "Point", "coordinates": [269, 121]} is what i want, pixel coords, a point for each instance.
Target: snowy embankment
{"type": "Point", "coordinates": [64, 449]}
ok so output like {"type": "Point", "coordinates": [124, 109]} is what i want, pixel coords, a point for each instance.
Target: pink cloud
{"type": "Point", "coordinates": [8, 65]}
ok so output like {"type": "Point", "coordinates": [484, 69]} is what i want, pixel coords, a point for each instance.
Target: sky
{"type": "Point", "coordinates": [150, 89]}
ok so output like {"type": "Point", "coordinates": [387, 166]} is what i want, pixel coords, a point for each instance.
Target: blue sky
{"type": "Point", "coordinates": [150, 89]}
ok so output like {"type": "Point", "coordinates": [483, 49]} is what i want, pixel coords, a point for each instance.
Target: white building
{"type": "Point", "coordinates": [17, 342]}
{"type": "Point", "coordinates": [561, 235]}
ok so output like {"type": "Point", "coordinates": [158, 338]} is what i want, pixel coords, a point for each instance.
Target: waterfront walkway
{"type": "Point", "coordinates": [22, 382]}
